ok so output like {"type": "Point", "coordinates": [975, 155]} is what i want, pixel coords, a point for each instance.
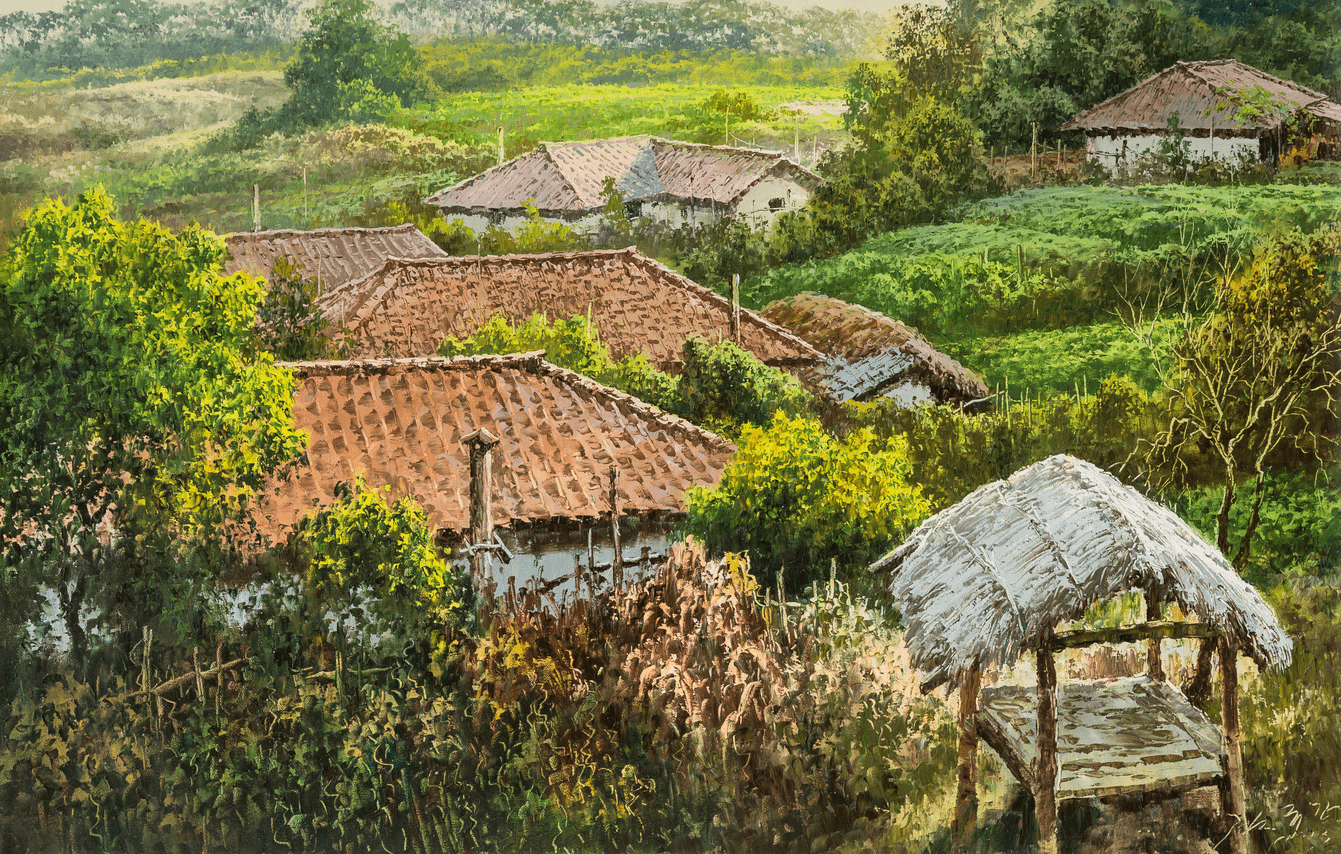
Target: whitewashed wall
{"type": "Point", "coordinates": [479, 223]}
{"type": "Point", "coordinates": [754, 205]}
{"type": "Point", "coordinates": [1118, 153]}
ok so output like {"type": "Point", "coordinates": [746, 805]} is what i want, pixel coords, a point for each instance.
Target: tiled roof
{"type": "Point", "coordinates": [566, 177]}
{"type": "Point", "coordinates": [1189, 89]}
{"type": "Point", "coordinates": [334, 256]}
{"type": "Point", "coordinates": [400, 422]}
{"type": "Point", "coordinates": [870, 353]}
{"type": "Point", "coordinates": [406, 308]}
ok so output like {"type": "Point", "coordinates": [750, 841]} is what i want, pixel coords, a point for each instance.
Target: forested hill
{"type": "Point", "coordinates": [131, 33]}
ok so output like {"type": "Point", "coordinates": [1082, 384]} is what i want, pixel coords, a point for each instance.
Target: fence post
{"type": "Point", "coordinates": [617, 562]}
{"type": "Point", "coordinates": [966, 799]}
{"type": "Point", "coordinates": [1045, 772]}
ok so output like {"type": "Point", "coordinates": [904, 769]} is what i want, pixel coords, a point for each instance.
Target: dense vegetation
{"type": "Point", "coordinates": [355, 694]}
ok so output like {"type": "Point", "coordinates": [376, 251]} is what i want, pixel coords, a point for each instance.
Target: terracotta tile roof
{"type": "Point", "coordinates": [564, 178]}
{"type": "Point", "coordinates": [401, 421]}
{"type": "Point", "coordinates": [406, 308]}
{"type": "Point", "coordinates": [333, 255]}
{"type": "Point", "coordinates": [1189, 89]}
{"type": "Point", "coordinates": [870, 353]}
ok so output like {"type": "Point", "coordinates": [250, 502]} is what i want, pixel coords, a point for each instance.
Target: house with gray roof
{"type": "Point", "coordinates": [671, 182]}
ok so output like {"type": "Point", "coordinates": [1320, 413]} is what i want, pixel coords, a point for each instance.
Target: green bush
{"type": "Point", "coordinates": [724, 388]}
{"type": "Point", "coordinates": [796, 498]}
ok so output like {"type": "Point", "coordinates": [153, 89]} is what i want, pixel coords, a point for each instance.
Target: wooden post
{"type": "Point", "coordinates": [735, 307]}
{"type": "Point", "coordinates": [1153, 612]}
{"type": "Point", "coordinates": [1033, 150]}
{"type": "Point", "coordinates": [500, 147]}
{"type": "Point", "coordinates": [481, 444]}
{"type": "Point", "coordinates": [966, 800]}
{"type": "Point", "coordinates": [200, 680]}
{"type": "Point", "coordinates": [255, 207]}
{"type": "Point", "coordinates": [1045, 772]}
{"type": "Point", "coordinates": [616, 562]}
{"type": "Point", "coordinates": [304, 197]}
{"type": "Point", "coordinates": [1231, 733]}
{"type": "Point", "coordinates": [148, 637]}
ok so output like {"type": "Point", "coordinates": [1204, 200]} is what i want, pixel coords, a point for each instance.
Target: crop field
{"type": "Point", "coordinates": [1029, 289]}
{"type": "Point", "coordinates": [558, 114]}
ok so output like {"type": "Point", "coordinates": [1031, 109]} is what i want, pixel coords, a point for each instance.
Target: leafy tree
{"type": "Point", "coordinates": [795, 498]}
{"type": "Point", "coordinates": [1261, 375]}
{"type": "Point", "coordinates": [347, 66]}
{"type": "Point", "coordinates": [133, 394]}
{"type": "Point", "coordinates": [287, 320]}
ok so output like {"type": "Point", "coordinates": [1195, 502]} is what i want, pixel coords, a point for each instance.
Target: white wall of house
{"type": "Point", "coordinates": [478, 223]}
{"type": "Point", "coordinates": [770, 198]}
{"type": "Point", "coordinates": [1119, 153]}
{"type": "Point", "coordinates": [676, 214]}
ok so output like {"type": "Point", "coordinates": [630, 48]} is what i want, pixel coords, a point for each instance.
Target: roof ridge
{"type": "Point", "coordinates": [531, 361]}
{"type": "Point", "coordinates": [473, 178]}
{"type": "Point", "coordinates": [768, 326]}
{"type": "Point", "coordinates": [734, 149]}
{"type": "Point", "coordinates": [1273, 78]}
{"type": "Point", "coordinates": [346, 229]}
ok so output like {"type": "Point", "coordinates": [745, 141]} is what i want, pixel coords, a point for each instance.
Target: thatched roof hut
{"type": "Point", "coordinates": [982, 581]}
{"type": "Point", "coordinates": [997, 573]}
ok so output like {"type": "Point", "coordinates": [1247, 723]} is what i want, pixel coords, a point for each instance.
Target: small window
{"type": "Point", "coordinates": [775, 204]}
{"type": "Point", "coordinates": [497, 217]}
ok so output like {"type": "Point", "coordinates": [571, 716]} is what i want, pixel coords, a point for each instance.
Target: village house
{"type": "Point", "coordinates": [871, 356]}
{"type": "Point", "coordinates": [332, 256]}
{"type": "Point", "coordinates": [567, 455]}
{"type": "Point", "coordinates": [666, 181]}
{"type": "Point", "coordinates": [407, 307]}
{"type": "Point", "coordinates": [1225, 110]}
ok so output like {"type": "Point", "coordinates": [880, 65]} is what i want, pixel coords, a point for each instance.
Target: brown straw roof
{"type": "Point", "coordinates": [994, 574]}
{"type": "Point", "coordinates": [873, 352]}
{"type": "Point", "coordinates": [400, 422]}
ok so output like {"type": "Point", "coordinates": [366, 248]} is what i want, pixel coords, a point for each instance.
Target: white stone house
{"type": "Point", "coordinates": [666, 181]}
{"type": "Point", "coordinates": [1225, 110]}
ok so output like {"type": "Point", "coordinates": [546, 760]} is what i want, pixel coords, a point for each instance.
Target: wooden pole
{"type": "Point", "coordinates": [255, 207]}
{"type": "Point", "coordinates": [1033, 150]}
{"type": "Point", "coordinates": [617, 562]}
{"type": "Point", "coordinates": [1231, 733]}
{"type": "Point", "coordinates": [735, 307]}
{"type": "Point", "coordinates": [500, 147]}
{"type": "Point", "coordinates": [1153, 612]}
{"type": "Point", "coordinates": [966, 799]}
{"type": "Point", "coordinates": [1045, 772]}
{"type": "Point", "coordinates": [481, 444]}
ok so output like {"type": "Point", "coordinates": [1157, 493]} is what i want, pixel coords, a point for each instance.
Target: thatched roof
{"type": "Point", "coordinates": [870, 354]}
{"type": "Point", "coordinates": [994, 574]}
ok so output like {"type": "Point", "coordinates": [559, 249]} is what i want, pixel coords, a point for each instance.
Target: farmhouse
{"type": "Point", "coordinates": [1225, 110]}
{"type": "Point", "coordinates": [669, 182]}
{"type": "Point", "coordinates": [332, 256]}
{"type": "Point", "coordinates": [1005, 571]}
{"type": "Point", "coordinates": [869, 355]}
{"type": "Point", "coordinates": [552, 434]}
{"type": "Point", "coordinates": [407, 307]}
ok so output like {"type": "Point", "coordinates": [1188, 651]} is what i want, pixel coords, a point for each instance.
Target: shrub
{"type": "Point", "coordinates": [796, 498]}
{"type": "Point", "coordinates": [725, 388]}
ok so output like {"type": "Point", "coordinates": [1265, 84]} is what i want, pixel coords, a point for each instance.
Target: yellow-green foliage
{"type": "Point", "coordinates": [365, 546]}
{"type": "Point", "coordinates": [379, 148]}
{"type": "Point", "coordinates": [795, 497]}
{"type": "Point", "coordinates": [951, 453]}
{"type": "Point", "coordinates": [574, 344]}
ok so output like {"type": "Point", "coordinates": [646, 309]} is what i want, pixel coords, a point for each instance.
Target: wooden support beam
{"type": "Point", "coordinates": [1153, 612]}
{"type": "Point", "coordinates": [617, 561]}
{"type": "Point", "coordinates": [1233, 754]}
{"type": "Point", "coordinates": [1162, 630]}
{"type": "Point", "coordinates": [1045, 773]}
{"type": "Point", "coordinates": [966, 799]}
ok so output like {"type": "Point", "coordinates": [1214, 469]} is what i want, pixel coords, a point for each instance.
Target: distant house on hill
{"type": "Point", "coordinates": [871, 356]}
{"type": "Point", "coordinates": [670, 182]}
{"type": "Point", "coordinates": [1225, 110]}
{"type": "Point", "coordinates": [401, 423]}
{"type": "Point", "coordinates": [332, 256]}
{"type": "Point", "coordinates": [406, 308]}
